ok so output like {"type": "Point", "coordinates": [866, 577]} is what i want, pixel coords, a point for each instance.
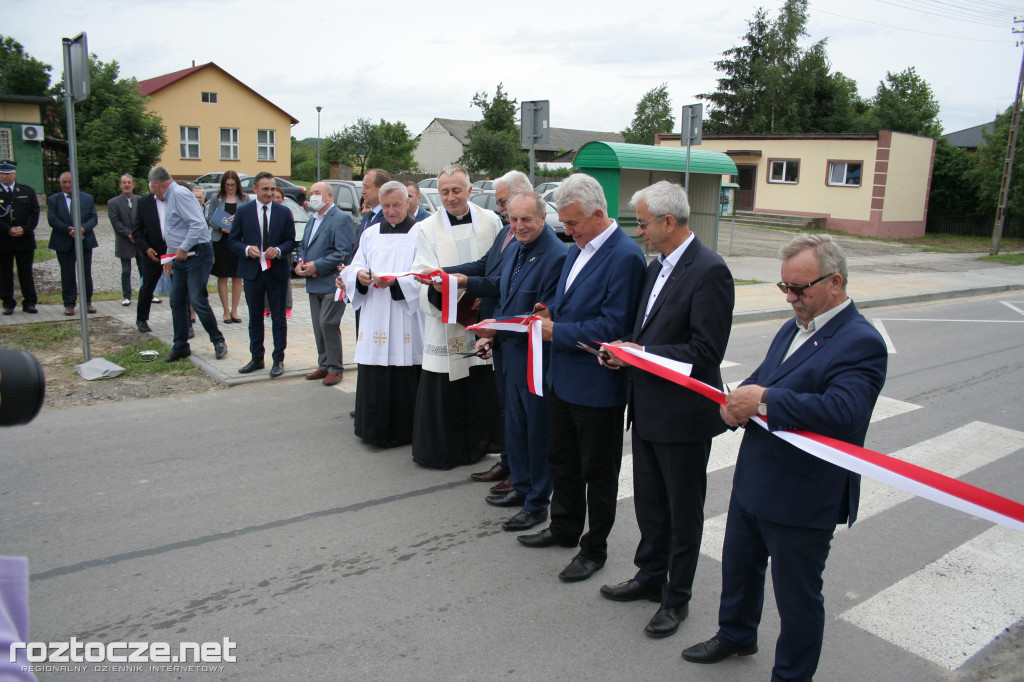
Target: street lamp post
{"type": "Point", "coordinates": [318, 177]}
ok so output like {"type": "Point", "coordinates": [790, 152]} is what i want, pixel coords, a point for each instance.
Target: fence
{"type": "Point", "coordinates": [974, 225]}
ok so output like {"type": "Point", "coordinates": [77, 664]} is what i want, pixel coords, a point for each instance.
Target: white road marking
{"type": "Point", "coordinates": [935, 319]}
{"type": "Point", "coordinates": [955, 606]}
{"type": "Point", "coordinates": [1012, 307]}
{"type": "Point", "coordinates": [885, 335]}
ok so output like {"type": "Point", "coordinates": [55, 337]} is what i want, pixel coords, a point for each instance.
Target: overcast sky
{"type": "Point", "coordinates": [593, 59]}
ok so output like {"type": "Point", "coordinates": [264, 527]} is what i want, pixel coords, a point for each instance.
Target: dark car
{"type": "Point", "coordinates": [296, 193]}
{"type": "Point", "coordinates": [301, 218]}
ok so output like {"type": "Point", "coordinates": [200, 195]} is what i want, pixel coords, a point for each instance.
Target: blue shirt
{"type": "Point", "coordinates": [184, 225]}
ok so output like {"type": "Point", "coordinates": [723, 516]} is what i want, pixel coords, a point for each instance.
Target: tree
{"type": "Point", "coordinates": [986, 172]}
{"type": "Point", "coordinates": [904, 102]}
{"type": "Point", "coordinates": [384, 145]}
{"type": "Point", "coordinates": [494, 142]}
{"type": "Point", "coordinates": [114, 131]}
{"type": "Point", "coordinates": [21, 74]}
{"type": "Point", "coordinates": [304, 159]}
{"type": "Point", "coordinates": [952, 192]}
{"type": "Point", "coordinates": [653, 115]}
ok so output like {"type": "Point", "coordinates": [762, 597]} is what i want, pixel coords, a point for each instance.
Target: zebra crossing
{"type": "Point", "coordinates": [950, 609]}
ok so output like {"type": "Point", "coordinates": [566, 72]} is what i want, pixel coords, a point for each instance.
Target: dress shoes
{"type": "Point", "coordinates": [331, 379]}
{"type": "Point", "coordinates": [8, 311]}
{"type": "Point", "coordinates": [666, 621]}
{"type": "Point", "coordinates": [316, 374]}
{"type": "Point", "coordinates": [89, 309]}
{"type": "Point", "coordinates": [512, 499]}
{"type": "Point", "coordinates": [177, 355]}
{"type": "Point", "coordinates": [580, 568]}
{"type": "Point", "coordinates": [715, 650]}
{"type": "Point", "coordinates": [525, 520]}
{"type": "Point", "coordinates": [544, 538]}
{"type": "Point", "coordinates": [631, 590]}
{"type": "Point", "coordinates": [157, 300]}
{"type": "Point", "coordinates": [220, 349]}
{"type": "Point", "coordinates": [253, 365]}
{"type": "Point", "coordinates": [69, 310]}
{"type": "Point", "coordinates": [143, 326]}
{"type": "Point", "coordinates": [31, 309]}
{"type": "Point", "coordinates": [276, 370]}
{"type": "Point", "coordinates": [495, 473]}
{"type": "Point", "coordinates": [502, 487]}
{"type": "Point", "coordinates": [126, 302]}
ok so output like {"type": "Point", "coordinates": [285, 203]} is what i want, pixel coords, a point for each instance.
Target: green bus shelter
{"type": "Point", "coordinates": [622, 169]}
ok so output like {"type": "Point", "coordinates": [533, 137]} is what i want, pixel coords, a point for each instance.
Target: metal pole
{"type": "Point", "coordinates": [318, 178]}
{"type": "Point", "coordinates": [76, 211]}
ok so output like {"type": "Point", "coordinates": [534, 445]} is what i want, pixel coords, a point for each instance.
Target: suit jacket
{"type": "Point", "coordinates": [216, 234]}
{"type": "Point", "coordinates": [689, 322]}
{"type": "Point", "coordinates": [421, 214]}
{"type": "Point", "coordinates": [828, 386]}
{"type": "Point", "coordinates": [147, 227]}
{"type": "Point", "coordinates": [484, 274]}
{"type": "Point", "coordinates": [24, 212]}
{"type": "Point", "coordinates": [329, 247]}
{"type": "Point", "coordinates": [537, 282]}
{"type": "Point", "coordinates": [371, 218]}
{"type": "Point", "coordinates": [59, 218]}
{"type": "Point", "coordinates": [247, 230]}
{"type": "Point", "coordinates": [122, 219]}
{"type": "Point", "coordinates": [599, 306]}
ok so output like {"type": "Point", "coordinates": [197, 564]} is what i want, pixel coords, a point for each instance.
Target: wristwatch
{"type": "Point", "coordinates": [762, 407]}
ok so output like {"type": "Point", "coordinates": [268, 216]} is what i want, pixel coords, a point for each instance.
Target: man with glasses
{"type": "Point", "coordinates": [823, 373]}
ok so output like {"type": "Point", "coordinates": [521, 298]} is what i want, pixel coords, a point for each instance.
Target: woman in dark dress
{"type": "Point", "coordinates": [225, 261]}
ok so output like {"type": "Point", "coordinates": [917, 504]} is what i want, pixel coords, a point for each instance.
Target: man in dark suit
{"type": "Point", "coordinates": [19, 215]}
{"type": "Point", "coordinates": [373, 180]}
{"type": "Point", "coordinates": [685, 315]}
{"type": "Point", "coordinates": [149, 240]}
{"type": "Point", "coordinates": [822, 374]}
{"type": "Point", "coordinates": [416, 212]}
{"type": "Point", "coordinates": [262, 233]}
{"type": "Point", "coordinates": [121, 211]}
{"type": "Point", "coordinates": [596, 300]}
{"type": "Point", "coordinates": [62, 240]}
{"type": "Point", "coordinates": [529, 275]}
{"type": "Point", "coordinates": [326, 244]}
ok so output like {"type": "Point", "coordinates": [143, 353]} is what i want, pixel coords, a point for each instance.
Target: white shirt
{"type": "Point", "coordinates": [259, 220]}
{"type": "Point", "coordinates": [161, 210]}
{"type": "Point", "coordinates": [588, 251]}
{"type": "Point", "coordinates": [667, 264]}
{"type": "Point", "coordinates": [814, 325]}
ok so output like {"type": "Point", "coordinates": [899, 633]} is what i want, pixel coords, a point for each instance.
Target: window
{"type": "Point", "coordinates": [265, 145]}
{"type": "Point", "coordinates": [784, 171]}
{"type": "Point", "coordinates": [844, 173]}
{"type": "Point", "coordinates": [229, 144]}
{"type": "Point", "coordinates": [210, 97]}
{"type": "Point", "coordinates": [189, 142]}
{"type": "Point", "coordinates": [6, 145]}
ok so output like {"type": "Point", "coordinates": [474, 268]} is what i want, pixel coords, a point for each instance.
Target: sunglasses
{"type": "Point", "coordinates": [798, 290]}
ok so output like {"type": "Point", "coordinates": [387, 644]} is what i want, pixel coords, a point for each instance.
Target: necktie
{"type": "Point", "coordinates": [266, 229]}
{"type": "Point", "coordinates": [129, 203]}
{"type": "Point", "coordinates": [508, 238]}
{"type": "Point", "coordinates": [518, 267]}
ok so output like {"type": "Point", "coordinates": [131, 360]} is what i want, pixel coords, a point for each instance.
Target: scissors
{"type": "Point", "coordinates": [599, 352]}
{"type": "Point", "coordinates": [483, 352]}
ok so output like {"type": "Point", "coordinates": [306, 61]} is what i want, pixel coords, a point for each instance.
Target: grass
{"type": "Point", "coordinates": [128, 357]}
{"type": "Point", "coordinates": [940, 243]}
{"type": "Point", "coordinates": [40, 335]}
{"type": "Point", "coordinates": [741, 282]}
{"type": "Point", "coordinates": [43, 251]}
{"type": "Point", "coordinates": [1007, 258]}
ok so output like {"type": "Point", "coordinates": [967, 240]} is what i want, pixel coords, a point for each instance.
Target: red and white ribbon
{"type": "Point", "coordinates": [339, 294]}
{"type": "Point", "coordinates": [894, 472]}
{"type": "Point", "coordinates": [166, 258]}
{"type": "Point", "coordinates": [535, 345]}
{"type": "Point", "coordinates": [264, 261]}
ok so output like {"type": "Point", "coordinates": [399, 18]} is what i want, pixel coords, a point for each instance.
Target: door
{"type": "Point", "coordinates": [747, 180]}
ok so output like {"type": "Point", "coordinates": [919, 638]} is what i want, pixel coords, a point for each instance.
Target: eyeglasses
{"type": "Point", "coordinates": [644, 223]}
{"type": "Point", "coordinates": [798, 290]}
{"type": "Point", "coordinates": [501, 202]}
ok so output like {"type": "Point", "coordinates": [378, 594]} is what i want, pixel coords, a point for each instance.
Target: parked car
{"type": "Point", "coordinates": [296, 193]}
{"type": "Point", "coordinates": [545, 187]}
{"type": "Point", "coordinates": [487, 200]}
{"type": "Point", "coordinates": [301, 218]}
{"type": "Point", "coordinates": [211, 181]}
{"type": "Point", "coordinates": [433, 197]}
{"type": "Point", "coordinates": [484, 185]}
{"type": "Point", "coordinates": [430, 183]}
{"type": "Point", "coordinates": [347, 197]}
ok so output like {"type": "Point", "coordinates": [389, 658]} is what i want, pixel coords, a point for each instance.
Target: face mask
{"type": "Point", "coordinates": [315, 202]}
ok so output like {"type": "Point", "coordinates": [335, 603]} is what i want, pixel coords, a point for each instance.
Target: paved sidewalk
{"type": "Point", "coordinates": [875, 280]}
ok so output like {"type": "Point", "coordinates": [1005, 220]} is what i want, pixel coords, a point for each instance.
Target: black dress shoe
{"type": "Point", "coordinates": [177, 355]}
{"type": "Point", "coordinates": [666, 621]}
{"type": "Point", "coordinates": [512, 499]}
{"type": "Point", "coordinates": [276, 370]}
{"type": "Point", "coordinates": [220, 349]}
{"type": "Point", "coordinates": [525, 520]}
{"type": "Point", "coordinates": [715, 650]}
{"type": "Point", "coordinates": [253, 365]}
{"type": "Point", "coordinates": [631, 590]}
{"type": "Point", "coordinates": [495, 473]}
{"type": "Point", "coordinates": [31, 309]}
{"type": "Point", "coordinates": [143, 326]}
{"type": "Point", "coordinates": [8, 311]}
{"type": "Point", "coordinates": [580, 568]}
{"type": "Point", "coordinates": [544, 538]}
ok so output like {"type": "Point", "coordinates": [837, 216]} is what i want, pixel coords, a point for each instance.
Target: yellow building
{"type": "Point", "coordinates": [215, 122]}
{"type": "Point", "coordinates": [875, 185]}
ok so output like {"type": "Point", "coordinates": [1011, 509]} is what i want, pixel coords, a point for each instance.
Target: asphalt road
{"type": "Point", "coordinates": [254, 514]}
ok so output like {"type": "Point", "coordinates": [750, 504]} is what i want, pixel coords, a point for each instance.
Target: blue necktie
{"type": "Point", "coordinates": [518, 267]}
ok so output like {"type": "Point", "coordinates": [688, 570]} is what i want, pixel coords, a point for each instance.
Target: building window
{"type": "Point", "coordinates": [265, 145]}
{"type": "Point", "coordinates": [784, 171]}
{"type": "Point", "coordinates": [210, 97]}
{"type": "Point", "coordinates": [189, 142]}
{"type": "Point", "coordinates": [6, 145]}
{"type": "Point", "coordinates": [229, 144]}
{"type": "Point", "coordinates": [844, 173]}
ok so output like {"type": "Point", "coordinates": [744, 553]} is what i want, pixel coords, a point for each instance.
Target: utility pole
{"type": "Point", "coordinates": [1011, 150]}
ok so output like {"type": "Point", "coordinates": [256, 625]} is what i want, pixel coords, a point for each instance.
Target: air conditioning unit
{"type": "Point", "coordinates": [32, 133]}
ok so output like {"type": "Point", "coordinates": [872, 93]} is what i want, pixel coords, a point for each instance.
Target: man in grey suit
{"type": "Point", "coordinates": [326, 244]}
{"type": "Point", "coordinates": [121, 210]}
